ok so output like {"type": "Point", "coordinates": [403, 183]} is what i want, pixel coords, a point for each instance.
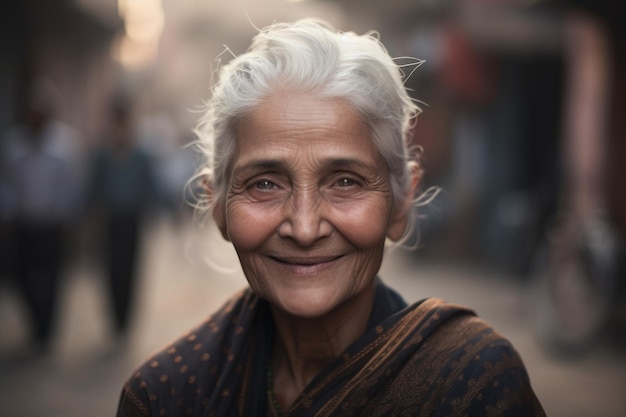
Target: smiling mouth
{"type": "Point", "coordinates": [305, 266]}
{"type": "Point", "coordinates": [305, 261]}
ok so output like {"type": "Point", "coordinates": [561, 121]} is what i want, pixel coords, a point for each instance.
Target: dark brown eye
{"type": "Point", "coordinates": [346, 182]}
{"type": "Point", "coordinates": [264, 185]}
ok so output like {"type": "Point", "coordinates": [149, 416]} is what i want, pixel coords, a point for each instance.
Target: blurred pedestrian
{"type": "Point", "coordinates": [121, 191]}
{"type": "Point", "coordinates": [174, 162]}
{"type": "Point", "coordinates": [40, 171]}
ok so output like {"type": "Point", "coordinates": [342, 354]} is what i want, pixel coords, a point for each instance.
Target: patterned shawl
{"type": "Point", "coordinates": [429, 359]}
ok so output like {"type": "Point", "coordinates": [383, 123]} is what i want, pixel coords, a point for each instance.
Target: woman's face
{"type": "Point", "coordinates": [309, 204]}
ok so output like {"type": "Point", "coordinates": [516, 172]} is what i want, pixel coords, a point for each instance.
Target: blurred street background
{"type": "Point", "coordinates": [102, 261]}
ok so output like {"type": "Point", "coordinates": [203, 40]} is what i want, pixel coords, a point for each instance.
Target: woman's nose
{"type": "Point", "coordinates": [304, 218]}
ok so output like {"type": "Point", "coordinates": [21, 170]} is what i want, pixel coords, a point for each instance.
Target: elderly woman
{"type": "Point", "coordinates": [308, 175]}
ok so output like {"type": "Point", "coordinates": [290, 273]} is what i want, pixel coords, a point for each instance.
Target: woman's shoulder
{"type": "Point", "coordinates": [186, 370]}
{"type": "Point", "coordinates": [198, 345]}
{"type": "Point", "coordinates": [460, 344]}
{"type": "Point", "coordinates": [459, 329]}
{"type": "Point", "coordinates": [470, 362]}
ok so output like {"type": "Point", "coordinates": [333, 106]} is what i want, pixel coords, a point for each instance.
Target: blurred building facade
{"type": "Point", "coordinates": [61, 41]}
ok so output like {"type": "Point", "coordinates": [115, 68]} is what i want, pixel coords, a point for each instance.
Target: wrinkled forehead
{"type": "Point", "coordinates": [291, 126]}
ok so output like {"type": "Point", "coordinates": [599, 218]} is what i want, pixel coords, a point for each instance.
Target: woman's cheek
{"type": "Point", "coordinates": [249, 224]}
{"type": "Point", "coordinates": [364, 224]}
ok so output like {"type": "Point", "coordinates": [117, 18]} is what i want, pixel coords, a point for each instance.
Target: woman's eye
{"type": "Point", "coordinates": [346, 182]}
{"type": "Point", "coordinates": [264, 185]}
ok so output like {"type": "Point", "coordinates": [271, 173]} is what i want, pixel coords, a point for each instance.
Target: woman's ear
{"type": "Point", "coordinates": [217, 209]}
{"type": "Point", "coordinates": [401, 209]}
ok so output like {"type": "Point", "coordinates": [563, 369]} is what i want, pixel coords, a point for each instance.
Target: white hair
{"type": "Point", "coordinates": [310, 57]}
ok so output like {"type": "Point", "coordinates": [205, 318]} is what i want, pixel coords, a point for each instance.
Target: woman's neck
{"type": "Point", "coordinates": [305, 346]}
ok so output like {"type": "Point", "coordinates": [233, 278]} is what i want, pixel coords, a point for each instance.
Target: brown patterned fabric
{"type": "Point", "coordinates": [428, 359]}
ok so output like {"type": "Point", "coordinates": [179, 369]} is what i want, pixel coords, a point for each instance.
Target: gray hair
{"type": "Point", "coordinates": [308, 56]}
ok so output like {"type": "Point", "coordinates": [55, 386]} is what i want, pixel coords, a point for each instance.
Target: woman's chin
{"type": "Point", "coordinates": [307, 305]}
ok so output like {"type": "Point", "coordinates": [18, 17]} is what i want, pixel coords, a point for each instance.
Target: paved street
{"type": "Point", "coordinates": [84, 373]}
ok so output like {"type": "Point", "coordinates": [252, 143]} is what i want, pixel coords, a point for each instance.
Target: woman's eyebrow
{"type": "Point", "coordinates": [346, 163]}
{"type": "Point", "coordinates": [260, 164]}
{"type": "Point", "coordinates": [279, 164]}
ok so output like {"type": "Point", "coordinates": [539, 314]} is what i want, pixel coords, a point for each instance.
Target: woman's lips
{"type": "Point", "coordinates": [305, 265]}
{"type": "Point", "coordinates": [305, 260]}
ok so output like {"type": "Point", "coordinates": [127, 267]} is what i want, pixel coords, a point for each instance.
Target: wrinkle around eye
{"type": "Point", "coordinates": [358, 183]}
{"type": "Point", "coordinates": [265, 190]}
{"type": "Point", "coordinates": [236, 187]}
{"type": "Point", "coordinates": [353, 194]}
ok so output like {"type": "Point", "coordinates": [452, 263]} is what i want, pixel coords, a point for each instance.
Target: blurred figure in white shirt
{"type": "Point", "coordinates": [40, 176]}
